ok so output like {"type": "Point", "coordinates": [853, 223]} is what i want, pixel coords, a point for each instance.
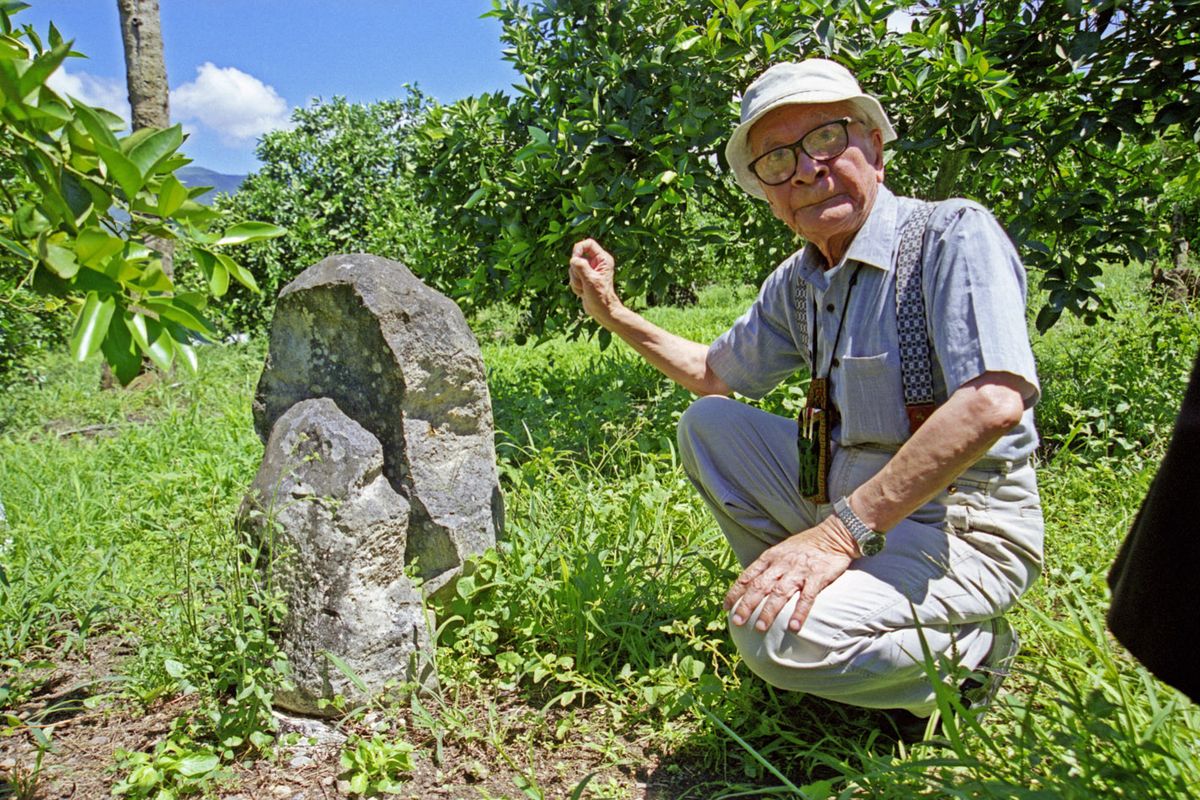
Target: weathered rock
{"type": "Point", "coordinates": [398, 358]}
{"type": "Point", "coordinates": [338, 534]}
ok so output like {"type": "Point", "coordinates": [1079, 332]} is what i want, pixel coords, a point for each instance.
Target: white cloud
{"type": "Point", "coordinates": [96, 91]}
{"type": "Point", "coordinates": [237, 106]}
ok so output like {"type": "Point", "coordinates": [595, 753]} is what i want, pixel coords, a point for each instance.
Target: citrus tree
{"type": "Point", "coordinates": [338, 181]}
{"type": "Point", "coordinates": [1045, 111]}
{"type": "Point", "coordinates": [77, 203]}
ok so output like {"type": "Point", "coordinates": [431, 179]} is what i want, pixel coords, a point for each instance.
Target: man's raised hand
{"type": "Point", "coordinates": [591, 270]}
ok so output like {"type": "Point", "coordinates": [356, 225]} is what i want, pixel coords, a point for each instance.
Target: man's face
{"type": "Point", "coordinates": [825, 202]}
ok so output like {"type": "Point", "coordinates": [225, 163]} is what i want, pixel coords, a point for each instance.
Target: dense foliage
{"type": "Point", "coordinates": [1043, 111]}
{"type": "Point", "coordinates": [338, 180]}
{"type": "Point", "coordinates": [78, 204]}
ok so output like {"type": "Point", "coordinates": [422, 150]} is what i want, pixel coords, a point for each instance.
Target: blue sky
{"type": "Point", "coordinates": [237, 68]}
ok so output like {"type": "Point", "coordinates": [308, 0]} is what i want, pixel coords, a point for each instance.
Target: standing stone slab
{"type": "Point", "coordinates": [379, 458]}
{"type": "Point", "coordinates": [398, 358]}
{"type": "Point", "coordinates": [339, 529]}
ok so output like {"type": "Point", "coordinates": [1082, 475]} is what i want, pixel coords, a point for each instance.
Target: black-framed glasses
{"type": "Point", "coordinates": [823, 143]}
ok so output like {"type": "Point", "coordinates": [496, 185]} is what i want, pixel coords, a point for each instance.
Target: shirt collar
{"type": "Point", "coordinates": [874, 244]}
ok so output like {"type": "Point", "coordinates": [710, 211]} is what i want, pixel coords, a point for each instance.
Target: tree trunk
{"type": "Point", "coordinates": [146, 79]}
{"type": "Point", "coordinates": [145, 69]}
{"type": "Point", "coordinates": [1179, 242]}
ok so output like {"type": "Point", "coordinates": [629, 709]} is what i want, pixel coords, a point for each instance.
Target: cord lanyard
{"type": "Point", "coordinates": [819, 415]}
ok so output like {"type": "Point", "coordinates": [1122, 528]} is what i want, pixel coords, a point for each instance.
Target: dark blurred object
{"type": "Point", "coordinates": [1155, 580]}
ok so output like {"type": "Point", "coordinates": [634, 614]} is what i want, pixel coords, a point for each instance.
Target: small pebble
{"type": "Point", "coordinates": [300, 762]}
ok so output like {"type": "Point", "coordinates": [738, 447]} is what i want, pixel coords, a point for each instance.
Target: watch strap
{"type": "Point", "coordinates": [869, 541]}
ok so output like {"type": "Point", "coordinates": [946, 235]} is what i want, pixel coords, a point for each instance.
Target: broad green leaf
{"type": "Point", "coordinates": [77, 197]}
{"type": "Point", "coordinates": [171, 195]}
{"type": "Point", "coordinates": [93, 246]}
{"type": "Point", "coordinates": [198, 764]}
{"type": "Point", "coordinates": [218, 280]}
{"type": "Point", "coordinates": [187, 354]}
{"type": "Point", "coordinates": [134, 139]}
{"type": "Point", "coordinates": [10, 88]}
{"type": "Point", "coordinates": [239, 273]}
{"type": "Point", "coordinates": [9, 49]}
{"type": "Point", "coordinates": [151, 151]}
{"type": "Point", "coordinates": [61, 260]}
{"type": "Point", "coordinates": [121, 353]}
{"type": "Point", "coordinates": [90, 280]}
{"type": "Point", "coordinates": [216, 272]}
{"type": "Point", "coordinates": [122, 169]}
{"type": "Point", "coordinates": [153, 340]}
{"type": "Point", "coordinates": [95, 125]}
{"type": "Point", "coordinates": [91, 325]}
{"type": "Point", "coordinates": [152, 279]}
{"type": "Point", "coordinates": [250, 232]}
{"type": "Point", "coordinates": [181, 312]}
{"type": "Point", "coordinates": [43, 66]}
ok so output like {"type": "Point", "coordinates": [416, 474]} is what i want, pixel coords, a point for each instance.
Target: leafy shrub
{"type": "Point", "coordinates": [80, 205]}
{"type": "Point", "coordinates": [376, 765]}
{"type": "Point", "coordinates": [1112, 393]}
{"type": "Point", "coordinates": [338, 181]}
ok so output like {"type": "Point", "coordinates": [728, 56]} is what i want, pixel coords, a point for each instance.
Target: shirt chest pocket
{"type": "Point", "coordinates": [870, 398]}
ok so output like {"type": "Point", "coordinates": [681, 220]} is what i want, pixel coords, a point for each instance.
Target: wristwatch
{"type": "Point", "coordinates": [869, 541]}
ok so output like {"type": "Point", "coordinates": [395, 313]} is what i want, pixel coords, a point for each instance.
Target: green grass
{"type": "Point", "coordinates": [600, 614]}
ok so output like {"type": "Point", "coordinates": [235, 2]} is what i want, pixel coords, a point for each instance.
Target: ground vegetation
{"type": "Point", "coordinates": [586, 656]}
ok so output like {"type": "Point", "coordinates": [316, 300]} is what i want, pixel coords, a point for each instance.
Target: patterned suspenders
{"type": "Point", "coordinates": [916, 362]}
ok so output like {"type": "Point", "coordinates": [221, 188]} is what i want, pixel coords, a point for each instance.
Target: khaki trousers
{"type": "Point", "coordinates": [946, 573]}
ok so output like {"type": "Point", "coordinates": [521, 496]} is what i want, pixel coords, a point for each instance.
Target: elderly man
{"type": "Point", "coordinates": [899, 516]}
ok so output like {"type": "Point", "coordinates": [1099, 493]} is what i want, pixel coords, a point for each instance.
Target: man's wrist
{"type": "Point", "coordinates": [869, 541]}
{"type": "Point", "coordinates": [841, 536]}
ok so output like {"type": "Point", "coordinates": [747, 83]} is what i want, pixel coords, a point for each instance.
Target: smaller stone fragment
{"type": "Point", "coordinates": [338, 532]}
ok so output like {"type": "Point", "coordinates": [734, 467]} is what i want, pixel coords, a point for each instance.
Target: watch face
{"type": "Point", "coordinates": [872, 544]}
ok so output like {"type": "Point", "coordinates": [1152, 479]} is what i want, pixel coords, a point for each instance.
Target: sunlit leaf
{"type": "Point", "coordinates": [153, 340]}
{"type": "Point", "coordinates": [91, 325]}
{"type": "Point", "coordinates": [171, 195]}
{"type": "Point", "coordinates": [93, 246]}
{"type": "Point", "coordinates": [239, 273]}
{"type": "Point", "coordinates": [250, 232]}
{"type": "Point", "coordinates": [122, 170]}
{"type": "Point", "coordinates": [154, 148]}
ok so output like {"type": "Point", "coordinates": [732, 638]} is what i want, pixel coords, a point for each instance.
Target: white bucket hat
{"type": "Point", "coordinates": [816, 80]}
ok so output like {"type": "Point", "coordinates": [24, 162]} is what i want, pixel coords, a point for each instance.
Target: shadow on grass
{"type": "Point", "coordinates": [787, 738]}
{"type": "Point", "coordinates": [578, 405]}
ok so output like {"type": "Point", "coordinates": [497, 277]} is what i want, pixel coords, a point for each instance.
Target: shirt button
{"type": "Point", "coordinates": [951, 489]}
{"type": "Point", "coordinates": [837, 362]}
{"type": "Point", "coordinates": [829, 308]}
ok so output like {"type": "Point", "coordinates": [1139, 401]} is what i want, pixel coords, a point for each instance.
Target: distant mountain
{"type": "Point", "coordinates": [200, 176]}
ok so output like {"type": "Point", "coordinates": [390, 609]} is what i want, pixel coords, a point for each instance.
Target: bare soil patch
{"type": "Point", "coordinates": [482, 747]}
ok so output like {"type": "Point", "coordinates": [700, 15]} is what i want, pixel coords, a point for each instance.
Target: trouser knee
{"type": "Point", "coordinates": [696, 424]}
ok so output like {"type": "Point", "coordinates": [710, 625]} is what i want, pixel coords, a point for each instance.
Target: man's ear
{"type": "Point", "coordinates": [877, 148]}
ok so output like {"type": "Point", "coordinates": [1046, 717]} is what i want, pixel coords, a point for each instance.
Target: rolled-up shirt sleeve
{"type": "Point", "coordinates": [760, 351]}
{"type": "Point", "coordinates": [977, 293]}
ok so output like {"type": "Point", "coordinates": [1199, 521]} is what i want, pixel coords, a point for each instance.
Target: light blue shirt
{"type": "Point", "coordinates": [974, 290]}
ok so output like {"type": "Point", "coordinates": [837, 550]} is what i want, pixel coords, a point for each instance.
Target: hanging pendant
{"type": "Point", "coordinates": [812, 442]}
